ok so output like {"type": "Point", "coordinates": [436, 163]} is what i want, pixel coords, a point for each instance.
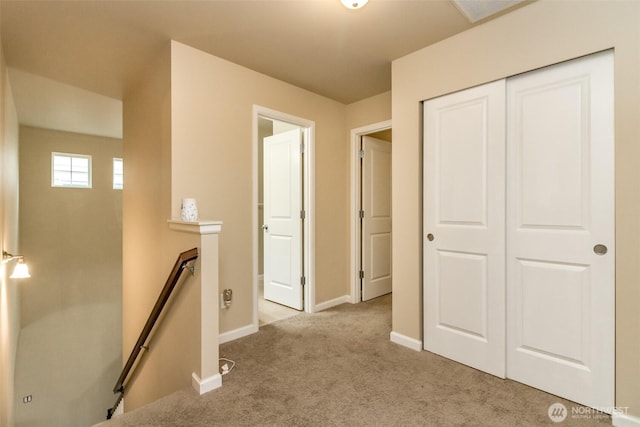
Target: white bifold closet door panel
{"type": "Point", "coordinates": [464, 224]}
{"type": "Point", "coordinates": [560, 192]}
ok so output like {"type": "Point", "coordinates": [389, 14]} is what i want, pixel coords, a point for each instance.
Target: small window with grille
{"type": "Point", "coordinates": [70, 170]}
{"type": "Point", "coordinates": [118, 174]}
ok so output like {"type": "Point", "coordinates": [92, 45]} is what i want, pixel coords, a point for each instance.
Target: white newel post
{"type": "Point", "coordinates": [208, 378]}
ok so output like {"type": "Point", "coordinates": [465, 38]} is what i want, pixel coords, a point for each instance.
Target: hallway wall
{"type": "Point", "coordinates": [212, 141]}
{"type": "Point", "coordinates": [69, 353]}
{"type": "Point", "coordinates": [9, 288]}
{"type": "Point", "coordinates": [188, 127]}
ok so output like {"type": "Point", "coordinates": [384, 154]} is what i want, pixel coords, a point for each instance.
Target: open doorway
{"type": "Point", "coordinates": [371, 274]}
{"type": "Point", "coordinates": [283, 241]}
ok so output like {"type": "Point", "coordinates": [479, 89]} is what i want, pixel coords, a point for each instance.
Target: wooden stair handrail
{"type": "Point", "coordinates": [165, 294]}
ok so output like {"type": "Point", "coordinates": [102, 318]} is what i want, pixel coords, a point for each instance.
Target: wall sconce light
{"type": "Point", "coordinates": [21, 270]}
{"type": "Point", "coordinates": [354, 4]}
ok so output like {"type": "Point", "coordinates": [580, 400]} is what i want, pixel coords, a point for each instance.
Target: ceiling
{"type": "Point", "coordinates": [104, 46]}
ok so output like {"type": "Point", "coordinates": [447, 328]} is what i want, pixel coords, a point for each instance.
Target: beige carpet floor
{"type": "Point", "coordinates": [338, 368]}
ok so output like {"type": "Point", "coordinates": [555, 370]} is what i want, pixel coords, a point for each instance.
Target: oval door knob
{"type": "Point", "coordinates": [265, 227]}
{"type": "Point", "coordinates": [600, 249]}
{"type": "Point", "coordinates": [430, 237]}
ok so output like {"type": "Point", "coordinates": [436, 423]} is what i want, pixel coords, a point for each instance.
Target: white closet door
{"type": "Point", "coordinates": [560, 293]}
{"type": "Point", "coordinates": [464, 225]}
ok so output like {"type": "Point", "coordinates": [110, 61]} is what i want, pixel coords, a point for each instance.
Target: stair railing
{"type": "Point", "coordinates": [165, 294]}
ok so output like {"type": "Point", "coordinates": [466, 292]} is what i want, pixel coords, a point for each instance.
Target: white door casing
{"type": "Point", "coordinates": [282, 227]}
{"type": "Point", "coordinates": [376, 218]}
{"type": "Point", "coordinates": [464, 215]}
{"type": "Point", "coordinates": [560, 295]}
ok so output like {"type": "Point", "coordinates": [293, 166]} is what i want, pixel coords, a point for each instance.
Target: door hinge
{"type": "Point", "coordinates": [303, 280]}
{"type": "Point", "coordinates": [303, 214]}
{"type": "Point", "coordinates": [302, 147]}
{"type": "Point", "coordinates": [362, 274]}
{"type": "Point", "coordinates": [361, 154]}
{"type": "Point", "coordinates": [361, 213]}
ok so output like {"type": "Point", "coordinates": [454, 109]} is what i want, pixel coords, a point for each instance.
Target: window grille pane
{"type": "Point", "coordinates": [117, 183]}
{"type": "Point", "coordinates": [79, 179]}
{"type": "Point", "coordinates": [62, 163]}
{"type": "Point", "coordinates": [62, 178]}
{"type": "Point", "coordinates": [80, 165]}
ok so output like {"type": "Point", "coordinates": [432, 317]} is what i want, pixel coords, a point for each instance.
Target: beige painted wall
{"type": "Point", "coordinates": [147, 166]}
{"type": "Point", "coordinates": [537, 35]}
{"type": "Point", "coordinates": [368, 111]}
{"type": "Point", "coordinates": [150, 249]}
{"type": "Point", "coordinates": [69, 353]}
{"type": "Point", "coordinates": [212, 103]}
{"type": "Point", "coordinates": [9, 291]}
{"type": "Point", "coordinates": [385, 135]}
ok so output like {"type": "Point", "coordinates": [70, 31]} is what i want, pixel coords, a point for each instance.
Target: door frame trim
{"type": "Point", "coordinates": [308, 201]}
{"type": "Point", "coordinates": [355, 243]}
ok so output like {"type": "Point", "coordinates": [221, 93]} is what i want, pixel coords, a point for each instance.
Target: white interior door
{"type": "Point", "coordinates": [376, 218]}
{"type": "Point", "coordinates": [464, 224]}
{"type": "Point", "coordinates": [560, 208]}
{"type": "Point", "coordinates": [282, 227]}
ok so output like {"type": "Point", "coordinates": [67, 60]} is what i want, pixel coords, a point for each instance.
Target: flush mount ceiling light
{"type": "Point", "coordinates": [353, 4]}
{"type": "Point", "coordinates": [476, 10]}
{"type": "Point", "coordinates": [21, 271]}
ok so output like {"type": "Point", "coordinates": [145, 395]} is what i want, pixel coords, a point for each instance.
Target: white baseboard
{"type": "Point", "coordinates": [237, 333]}
{"type": "Point", "coordinates": [620, 419]}
{"type": "Point", "coordinates": [406, 341]}
{"type": "Point", "coordinates": [332, 303]}
{"type": "Point", "coordinates": [204, 385]}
